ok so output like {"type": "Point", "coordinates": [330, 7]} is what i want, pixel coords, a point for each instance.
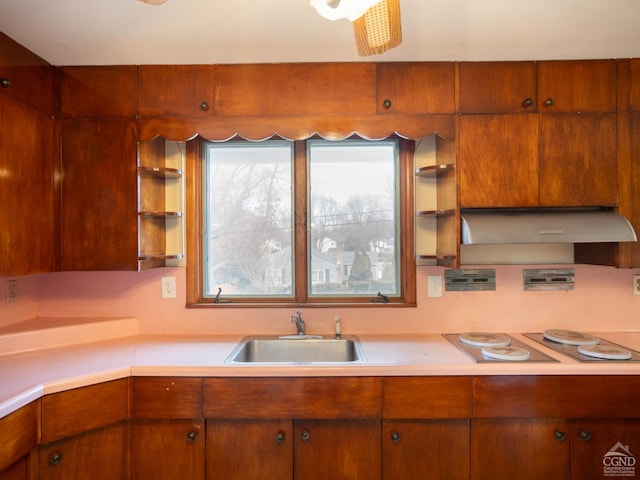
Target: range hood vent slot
{"type": "Point", "coordinates": [514, 226]}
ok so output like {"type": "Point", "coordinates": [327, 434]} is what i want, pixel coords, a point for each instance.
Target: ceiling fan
{"type": "Point", "coordinates": [376, 23]}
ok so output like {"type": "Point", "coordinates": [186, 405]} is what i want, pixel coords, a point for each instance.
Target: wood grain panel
{"type": "Point", "coordinates": [427, 397]}
{"type": "Point", "coordinates": [497, 87]}
{"type": "Point", "coordinates": [104, 91]}
{"type": "Point", "coordinates": [18, 434]}
{"type": "Point", "coordinates": [82, 409]}
{"type": "Point", "coordinates": [415, 87]}
{"type": "Point", "coordinates": [166, 397]}
{"type": "Point", "coordinates": [315, 397]}
{"type": "Point", "coordinates": [295, 89]}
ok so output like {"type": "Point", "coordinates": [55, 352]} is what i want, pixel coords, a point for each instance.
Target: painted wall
{"type": "Point", "coordinates": [602, 300]}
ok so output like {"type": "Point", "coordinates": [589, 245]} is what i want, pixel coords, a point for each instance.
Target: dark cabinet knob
{"type": "Point", "coordinates": [559, 435]}
{"type": "Point", "coordinates": [305, 435]}
{"type": "Point", "coordinates": [55, 458]}
{"type": "Point", "coordinates": [204, 105]}
{"type": "Point", "coordinates": [395, 437]}
{"type": "Point", "coordinates": [5, 82]}
{"type": "Point", "coordinates": [549, 102]}
{"type": "Point", "coordinates": [527, 102]}
{"type": "Point", "coordinates": [192, 435]}
{"type": "Point", "coordinates": [584, 435]}
{"type": "Point", "coordinates": [280, 436]}
{"type": "Point", "coordinates": [386, 104]}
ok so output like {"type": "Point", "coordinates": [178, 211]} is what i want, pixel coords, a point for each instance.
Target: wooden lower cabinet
{"type": "Point", "coordinates": [18, 471]}
{"type": "Point", "coordinates": [249, 449]}
{"type": "Point", "coordinates": [605, 449]}
{"type": "Point", "coordinates": [520, 449]}
{"type": "Point", "coordinates": [167, 449]}
{"type": "Point", "coordinates": [97, 454]}
{"type": "Point", "coordinates": [418, 449]}
{"type": "Point", "coordinates": [300, 449]}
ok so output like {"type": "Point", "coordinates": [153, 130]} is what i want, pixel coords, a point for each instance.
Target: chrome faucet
{"type": "Point", "coordinates": [297, 319]}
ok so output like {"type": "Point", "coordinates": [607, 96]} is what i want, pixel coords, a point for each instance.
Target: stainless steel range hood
{"type": "Point", "coordinates": [516, 226]}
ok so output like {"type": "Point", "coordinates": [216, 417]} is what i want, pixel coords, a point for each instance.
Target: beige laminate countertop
{"type": "Point", "coordinates": [32, 370]}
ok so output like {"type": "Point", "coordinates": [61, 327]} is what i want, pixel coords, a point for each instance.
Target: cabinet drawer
{"type": "Point", "coordinates": [166, 397]}
{"type": "Point", "coordinates": [311, 398]}
{"type": "Point", "coordinates": [427, 397]}
{"type": "Point", "coordinates": [82, 409]}
{"type": "Point", "coordinates": [557, 396]}
{"type": "Point", "coordinates": [18, 434]}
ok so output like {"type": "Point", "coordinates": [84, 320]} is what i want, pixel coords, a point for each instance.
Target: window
{"type": "Point", "coordinates": [313, 221]}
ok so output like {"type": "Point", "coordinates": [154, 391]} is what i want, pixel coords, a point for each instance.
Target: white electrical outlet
{"type": "Point", "coordinates": [434, 285]}
{"type": "Point", "coordinates": [168, 287]}
{"type": "Point", "coordinates": [636, 284]}
{"type": "Point", "coordinates": [12, 291]}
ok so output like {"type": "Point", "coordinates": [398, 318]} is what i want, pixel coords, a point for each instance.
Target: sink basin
{"type": "Point", "coordinates": [294, 350]}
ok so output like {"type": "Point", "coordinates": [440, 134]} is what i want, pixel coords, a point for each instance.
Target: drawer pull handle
{"type": "Point", "coordinates": [191, 436]}
{"type": "Point", "coordinates": [55, 458]}
{"type": "Point", "coordinates": [305, 435]}
{"type": "Point", "coordinates": [584, 435]}
{"type": "Point", "coordinates": [559, 435]}
{"type": "Point", "coordinates": [395, 437]}
{"type": "Point", "coordinates": [280, 436]}
{"type": "Point", "coordinates": [527, 102]}
{"type": "Point", "coordinates": [5, 82]}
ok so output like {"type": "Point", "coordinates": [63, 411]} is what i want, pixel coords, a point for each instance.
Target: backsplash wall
{"type": "Point", "coordinates": [602, 300]}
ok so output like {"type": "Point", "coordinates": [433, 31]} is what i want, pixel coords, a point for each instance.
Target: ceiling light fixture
{"type": "Point", "coordinates": [337, 9]}
{"type": "Point", "coordinates": [376, 23]}
{"type": "Point", "coordinates": [153, 2]}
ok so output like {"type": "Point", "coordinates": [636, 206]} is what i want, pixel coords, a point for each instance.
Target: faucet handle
{"type": "Point", "coordinates": [338, 327]}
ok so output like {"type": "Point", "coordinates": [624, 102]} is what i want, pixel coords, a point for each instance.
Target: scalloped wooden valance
{"type": "Point", "coordinates": [370, 127]}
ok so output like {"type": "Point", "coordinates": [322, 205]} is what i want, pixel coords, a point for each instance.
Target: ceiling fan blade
{"type": "Point", "coordinates": [379, 29]}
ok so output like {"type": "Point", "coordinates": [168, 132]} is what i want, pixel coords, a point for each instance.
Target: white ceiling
{"type": "Point", "coordinates": [108, 32]}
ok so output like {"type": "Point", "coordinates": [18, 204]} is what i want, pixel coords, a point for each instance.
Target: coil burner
{"type": "Point", "coordinates": [583, 346]}
{"type": "Point", "coordinates": [485, 347]}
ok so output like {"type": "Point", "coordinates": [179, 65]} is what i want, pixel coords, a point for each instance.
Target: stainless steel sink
{"type": "Point", "coordinates": [296, 349]}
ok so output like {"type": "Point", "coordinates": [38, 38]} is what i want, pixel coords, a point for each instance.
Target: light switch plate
{"type": "Point", "coordinates": [434, 285]}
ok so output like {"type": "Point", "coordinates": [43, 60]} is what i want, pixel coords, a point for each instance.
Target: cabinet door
{"type": "Point", "coordinates": [175, 90]}
{"type": "Point", "coordinates": [18, 471]}
{"type": "Point", "coordinates": [348, 449]}
{"type": "Point", "coordinates": [26, 190]}
{"type": "Point", "coordinates": [105, 91]}
{"type": "Point", "coordinates": [520, 449]}
{"type": "Point", "coordinates": [295, 89]}
{"type": "Point", "coordinates": [99, 195]}
{"type": "Point", "coordinates": [168, 449]}
{"type": "Point", "coordinates": [415, 88]}
{"type": "Point", "coordinates": [577, 86]}
{"type": "Point", "coordinates": [249, 449]}
{"type": "Point", "coordinates": [418, 449]}
{"type": "Point", "coordinates": [498, 163]}
{"type": "Point", "coordinates": [497, 87]}
{"type": "Point", "coordinates": [97, 455]}
{"type": "Point", "coordinates": [604, 449]}
{"type": "Point", "coordinates": [578, 160]}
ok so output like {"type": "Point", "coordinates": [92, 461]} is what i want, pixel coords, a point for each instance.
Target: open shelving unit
{"type": "Point", "coordinates": [436, 208]}
{"type": "Point", "coordinates": [160, 203]}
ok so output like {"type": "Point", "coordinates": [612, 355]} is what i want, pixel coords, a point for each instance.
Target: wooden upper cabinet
{"type": "Point", "coordinates": [578, 161]}
{"type": "Point", "coordinates": [634, 92]}
{"type": "Point", "coordinates": [99, 195]}
{"type": "Point", "coordinates": [295, 89]}
{"type": "Point", "coordinates": [176, 90]}
{"type": "Point", "coordinates": [547, 86]}
{"type": "Point", "coordinates": [415, 88]}
{"type": "Point", "coordinates": [497, 87]}
{"type": "Point", "coordinates": [499, 160]}
{"type": "Point", "coordinates": [27, 219]}
{"type": "Point", "coordinates": [109, 91]}
{"type": "Point", "coordinates": [577, 86]}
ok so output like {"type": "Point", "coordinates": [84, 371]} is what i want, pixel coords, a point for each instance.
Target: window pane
{"type": "Point", "coordinates": [353, 218]}
{"type": "Point", "coordinates": [248, 219]}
